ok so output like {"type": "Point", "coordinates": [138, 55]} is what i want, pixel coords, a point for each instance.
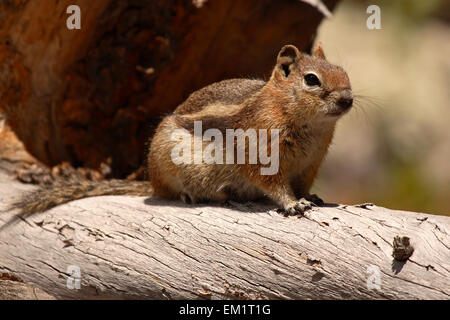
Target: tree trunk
{"type": "Point", "coordinates": [87, 95]}
{"type": "Point", "coordinates": [131, 247]}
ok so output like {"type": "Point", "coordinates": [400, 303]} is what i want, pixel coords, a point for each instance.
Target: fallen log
{"type": "Point", "coordinates": [133, 247]}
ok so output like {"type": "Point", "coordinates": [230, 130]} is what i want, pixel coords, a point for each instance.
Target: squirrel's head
{"type": "Point", "coordinates": [316, 88]}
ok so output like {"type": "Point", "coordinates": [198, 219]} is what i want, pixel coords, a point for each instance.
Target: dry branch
{"type": "Point", "coordinates": [131, 247]}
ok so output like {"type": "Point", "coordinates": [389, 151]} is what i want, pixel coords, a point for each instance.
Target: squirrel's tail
{"type": "Point", "coordinates": [63, 192]}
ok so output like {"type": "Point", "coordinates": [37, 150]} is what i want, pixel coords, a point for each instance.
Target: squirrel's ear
{"type": "Point", "coordinates": [318, 51]}
{"type": "Point", "coordinates": [287, 58]}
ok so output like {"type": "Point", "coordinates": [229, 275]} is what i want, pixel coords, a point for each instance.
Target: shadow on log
{"type": "Point", "coordinates": [131, 247]}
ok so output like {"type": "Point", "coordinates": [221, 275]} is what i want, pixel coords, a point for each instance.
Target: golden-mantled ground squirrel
{"type": "Point", "coordinates": [301, 103]}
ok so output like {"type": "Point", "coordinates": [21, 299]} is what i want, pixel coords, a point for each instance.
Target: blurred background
{"type": "Point", "coordinates": [393, 148]}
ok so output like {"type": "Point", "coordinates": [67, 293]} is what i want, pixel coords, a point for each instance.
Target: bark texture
{"type": "Point", "coordinates": [87, 95]}
{"type": "Point", "coordinates": [129, 247]}
{"type": "Point", "coordinates": [14, 290]}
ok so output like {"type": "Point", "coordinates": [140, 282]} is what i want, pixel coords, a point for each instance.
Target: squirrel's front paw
{"type": "Point", "coordinates": [298, 207]}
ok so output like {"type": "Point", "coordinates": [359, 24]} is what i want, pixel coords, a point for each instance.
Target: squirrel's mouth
{"type": "Point", "coordinates": [342, 104]}
{"type": "Point", "coordinates": [339, 108]}
{"type": "Point", "coordinates": [337, 112]}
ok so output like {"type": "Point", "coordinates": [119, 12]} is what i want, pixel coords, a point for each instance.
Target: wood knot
{"type": "Point", "coordinates": [402, 248]}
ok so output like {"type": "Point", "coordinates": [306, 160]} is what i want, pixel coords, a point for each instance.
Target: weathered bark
{"type": "Point", "coordinates": [86, 95]}
{"type": "Point", "coordinates": [14, 290]}
{"type": "Point", "coordinates": [130, 247]}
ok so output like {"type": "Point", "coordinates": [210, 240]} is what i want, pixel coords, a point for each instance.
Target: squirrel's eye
{"type": "Point", "coordinates": [312, 80]}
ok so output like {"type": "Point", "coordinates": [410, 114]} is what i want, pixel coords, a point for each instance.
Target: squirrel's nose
{"type": "Point", "coordinates": [345, 103]}
{"type": "Point", "coordinates": [346, 99]}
